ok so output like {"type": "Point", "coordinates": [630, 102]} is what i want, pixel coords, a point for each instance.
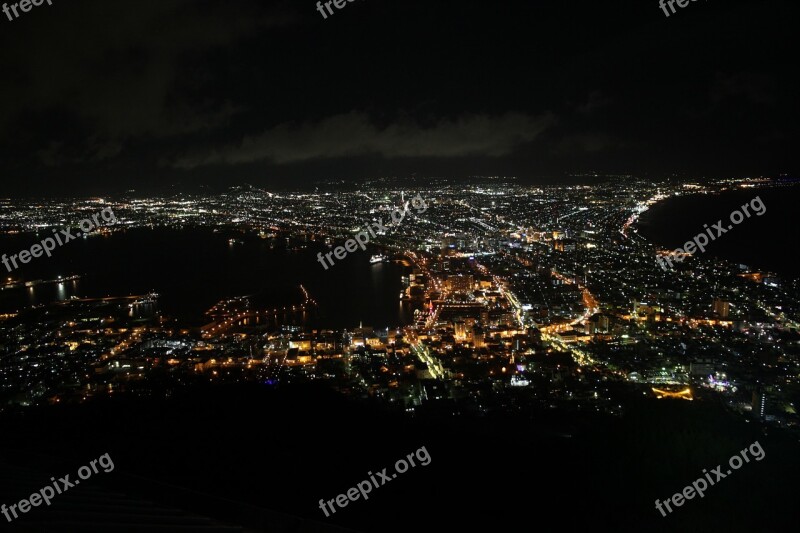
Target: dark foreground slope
{"type": "Point", "coordinates": [262, 459]}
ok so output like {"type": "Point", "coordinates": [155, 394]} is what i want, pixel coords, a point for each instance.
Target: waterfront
{"type": "Point", "coordinates": [758, 242]}
{"type": "Point", "coordinates": [192, 269]}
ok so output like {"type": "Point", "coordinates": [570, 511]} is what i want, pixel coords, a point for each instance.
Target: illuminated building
{"type": "Point", "coordinates": [519, 381]}
{"type": "Point", "coordinates": [759, 403]}
{"type": "Point", "coordinates": [647, 310]}
{"type": "Point", "coordinates": [478, 337]}
{"type": "Point", "coordinates": [721, 308]}
{"type": "Point", "coordinates": [460, 330]}
{"type": "Point", "coordinates": [701, 367]}
{"type": "Point", "coordinates": [598, 324]}
{"type": "Point", "coordinates": [565, 245]}
{"type": "Point", "coordinates": [460, 283]}
{"type": "Point", "coordinates": [683, 394]}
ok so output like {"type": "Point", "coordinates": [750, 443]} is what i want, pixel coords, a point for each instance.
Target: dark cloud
{"type": "Point", "coordinates": [755, 87]}
{"type": "Point", "coordinates": [139, 92]}
{"type": "Point", "coordinates": [595, 101]}
{"type": "Point", "coordinates": [116, 67]}
{"type": "Point", "coordinates": [354, 134]}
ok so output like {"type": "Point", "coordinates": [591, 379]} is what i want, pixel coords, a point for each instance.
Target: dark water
{"type": "Point", "coordinates": [765, 242]}
{"type": "Point", "coordinates": [194, 269]}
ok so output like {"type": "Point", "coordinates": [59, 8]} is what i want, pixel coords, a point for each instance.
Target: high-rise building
{"type": "Point", "coordinates": [722, 308]}
{"type": "Point", "coordinates": [460, 330]}
{"type": "Point", "coordinates": [598, 324]}
{"type": "Point", "coordinates": [759, 403]}
{"type": "Point", "coordinates": [701, 367]}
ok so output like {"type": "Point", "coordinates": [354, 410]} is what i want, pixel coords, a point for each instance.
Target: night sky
{"type": "Point", "coordinates": [104, 96]}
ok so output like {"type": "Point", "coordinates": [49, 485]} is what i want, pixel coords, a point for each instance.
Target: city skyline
{"type": "Point", "coordinates": [496, 301]}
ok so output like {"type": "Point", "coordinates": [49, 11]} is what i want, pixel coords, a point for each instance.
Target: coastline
{"type": "Point", "coordinates": [671, 221]}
